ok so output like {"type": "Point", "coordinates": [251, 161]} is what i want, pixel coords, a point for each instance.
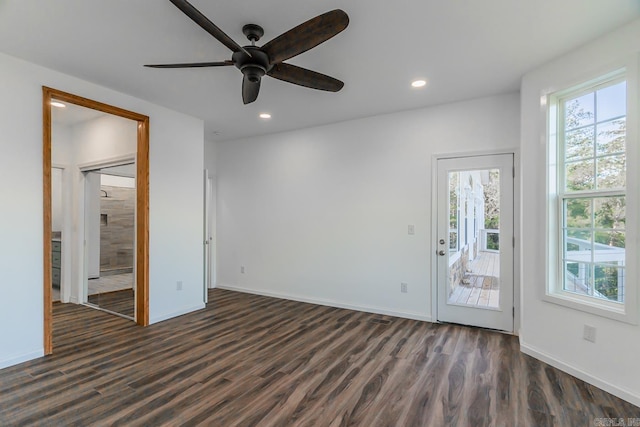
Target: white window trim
{"type": "Point", "coordinates": [628, 311]}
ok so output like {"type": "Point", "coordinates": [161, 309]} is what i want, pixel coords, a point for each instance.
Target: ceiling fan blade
{"type": "Point", "coordinates": [192, 65]}
{"type": "Point", "coordinates": [211, 28]}
{"type": "Point", "coordinates": [303, 77]}
{"type": "Point", "coordinates": [306, 36]}
{"type": "Point", "coordinates": [249, 90]}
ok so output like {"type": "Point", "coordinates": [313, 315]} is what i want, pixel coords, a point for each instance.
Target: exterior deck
{"type": "Point", "coordinates": [481, 286]}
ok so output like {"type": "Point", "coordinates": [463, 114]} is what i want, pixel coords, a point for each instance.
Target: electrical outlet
{"type": "Point", "coordinates": [411, 229]}
{"type": "Point", "coordinates": [589, 333]}
{"type": "Point", "coordinates": [179, 285]}
{"type": "Point", "coordinates": [404, 288]}
{"type": "Point", "coordinates": [242, 269]}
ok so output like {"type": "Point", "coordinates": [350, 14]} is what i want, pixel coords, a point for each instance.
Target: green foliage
{"type": "Point", "coordinates": [607, 282]}
{"type": "Point", "coordinates": [493, 241]}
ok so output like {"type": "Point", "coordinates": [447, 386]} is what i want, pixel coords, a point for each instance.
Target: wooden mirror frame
{"type": "Point", "coordinates": [142, 204]}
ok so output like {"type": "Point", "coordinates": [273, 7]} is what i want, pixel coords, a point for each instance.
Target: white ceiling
{"type": "Point", "coordinates": [464, 48]}
{"type": "Point", "coordinates": [73, 114]}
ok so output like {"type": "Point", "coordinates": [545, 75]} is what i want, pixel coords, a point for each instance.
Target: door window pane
{"type": "Point", "coordinates": [474, 273]}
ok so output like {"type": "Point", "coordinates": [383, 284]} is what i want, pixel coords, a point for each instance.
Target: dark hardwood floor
{"type": "Point", "coordinates": [121, 301]}
{"type": "Point", "coordinates": [249, 360]}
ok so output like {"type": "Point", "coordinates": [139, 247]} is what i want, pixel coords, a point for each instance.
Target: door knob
{"type": "Point", "coordinates": [442, 253]}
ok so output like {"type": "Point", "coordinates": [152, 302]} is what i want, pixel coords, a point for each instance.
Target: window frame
{"type": "Point", "coordinates": [552, 105]}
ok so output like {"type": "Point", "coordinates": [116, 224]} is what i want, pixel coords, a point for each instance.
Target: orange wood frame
{"type": "Point", "coordinates": [142, 204]}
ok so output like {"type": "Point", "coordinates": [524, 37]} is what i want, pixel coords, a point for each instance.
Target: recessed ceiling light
{"type": "Point", "coordinates": [419, 83]}
{"type": "Point", "coordinates": [57, 104]}
{"type": "Point", "coordinates": [265, 116]}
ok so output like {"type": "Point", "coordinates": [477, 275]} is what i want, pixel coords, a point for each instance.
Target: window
{"type": "Point", "coordinates": [588, 165]}
{"type": "Point", "coordinates": [454, 213]}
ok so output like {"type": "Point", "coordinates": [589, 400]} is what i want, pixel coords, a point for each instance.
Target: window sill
{"type": "Point", "coordinates": [602, 309]}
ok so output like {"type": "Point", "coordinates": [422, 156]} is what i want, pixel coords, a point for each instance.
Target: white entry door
{"type": "Point", "coordinates": [474, 247]}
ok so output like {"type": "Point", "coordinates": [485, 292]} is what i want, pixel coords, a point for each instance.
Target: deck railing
{"type": "Point", "coordinates": [588, 253]}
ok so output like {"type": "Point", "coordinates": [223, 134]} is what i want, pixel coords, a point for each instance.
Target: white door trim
{"type": "Point", "coordinates": [517, 303]}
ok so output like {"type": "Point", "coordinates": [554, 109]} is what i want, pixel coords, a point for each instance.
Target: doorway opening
{"type": "Point", "coordinates": [141, 246]}
{"type": "Point", "coordinates": [110, 198]}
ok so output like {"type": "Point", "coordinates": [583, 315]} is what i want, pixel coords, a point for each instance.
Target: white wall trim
{"type": "Point", "coordinates": [177, 313]}
{"type": "Point", "coordinates": [620, 392]}
{"type": "Point", "coordinates": [328, 303]}
{"type": "Point", "coordinates": [22, 358]}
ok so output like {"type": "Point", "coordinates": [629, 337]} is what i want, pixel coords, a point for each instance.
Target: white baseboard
{"type": "Point", "coordinates": [622, 393]}
{"type": "Point", "coordinates": [176, 313]}
{"type": "Point", "coordinates": [328, 303]}
{"type": "Point", "coordinates": [22, 358]}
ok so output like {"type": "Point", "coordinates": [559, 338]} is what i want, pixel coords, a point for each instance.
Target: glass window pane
{"type": "Point", "coordinates": [610, 241]}
{"type": "Point", "coordinates": [579, 176]}
{"type": "Point", "coordinates": [609, 282]}
{"type": "Point", "coordinates": [579, 111]}
{"type": "Point", "coordinates": [453, 211]}
{"type": "Point", "coordinates": [579, 143]}
{"type": "Point", "coordinates": [577, 277]}
{"type": "Point", "coordinates": [453, 242]}
{"type": "Point", "coordinates": [611, 172]}
{"type": "Point", "coordinates": [611, 137]}
{"type": "Point", "coordinates": [610, 212]}
{"type": "Point", "coordinates": [577, 213]}
{"type": "Point", "coordinates": [612, 101]}
{"type": "Point", "coordinates": [577, 245]}
{"type": "Point", "coordinates": [609, 248]}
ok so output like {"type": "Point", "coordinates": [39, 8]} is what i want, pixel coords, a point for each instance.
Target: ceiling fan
{"type": "Point", "coordinates": [254, 62]}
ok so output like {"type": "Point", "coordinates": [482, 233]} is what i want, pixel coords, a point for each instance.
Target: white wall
{"type": "Point", "coordinates": [321, 214]}
{"type": "Point", "coordinates": [117, 181]}
{"type": "Point", "coordinates": [56, 200]}
{"type": "Point", "coordinates": [176, 203]}
{"type": "Point", "coordinates": [103, 138]}
{"type": "Point", "coordinates": [549, 331]}
{"type": "Point", "coordinates": [211, 157]}
{"type": "Point", "coordinates": [91, 142]}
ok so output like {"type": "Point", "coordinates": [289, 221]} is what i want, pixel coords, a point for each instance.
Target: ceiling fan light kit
{"type": "Point", "coordinates": [255, 62]}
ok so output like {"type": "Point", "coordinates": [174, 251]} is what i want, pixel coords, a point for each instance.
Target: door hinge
{"type": "Point", "coordinates": [513, 241]}
{"type": "Point", "coordinates": [513, 312]}
{"type": "Point", "coordinates": [513, 171]}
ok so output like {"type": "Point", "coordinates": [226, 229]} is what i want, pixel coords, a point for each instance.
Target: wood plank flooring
{"type": "Point", "coordinates": [248, 360]}
{"type": "Point", "coordinates": [480, 291]}
{"type": "Point", "coordinates": [117, 301]}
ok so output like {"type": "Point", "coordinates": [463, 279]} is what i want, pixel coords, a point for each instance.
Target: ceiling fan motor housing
{"type": "Point", "coordinates": [254, 66]}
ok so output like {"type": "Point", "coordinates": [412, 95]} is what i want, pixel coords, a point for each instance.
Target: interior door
{"type": "Point", "coordinates": [209, 226]}
{"type": "Point", "coordinates": [475, 241]}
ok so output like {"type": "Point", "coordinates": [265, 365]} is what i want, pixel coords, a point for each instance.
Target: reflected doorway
{"type": "Point", "coordinates": [110, 239]}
